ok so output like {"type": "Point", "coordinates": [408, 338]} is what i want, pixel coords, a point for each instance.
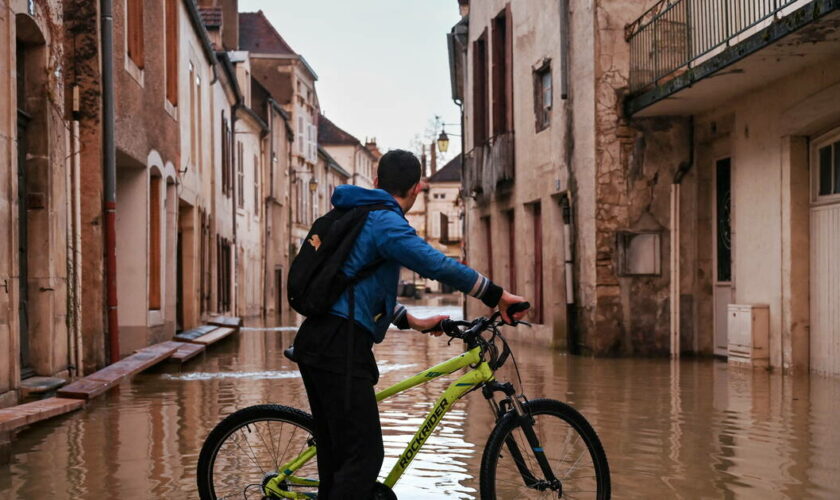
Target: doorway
{"type": "Point", "coordinates": [26, 369]}
{"type": "Point", "coordinates": [722, 243]}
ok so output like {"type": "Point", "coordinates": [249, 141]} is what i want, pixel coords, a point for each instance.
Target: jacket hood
{"type": "Point", "coordinates": [349, 196]}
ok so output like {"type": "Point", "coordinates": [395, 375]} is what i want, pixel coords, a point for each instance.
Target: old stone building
{"type": "Point", "coordinates": [443, 212]}
{"type": "Point", "coordinates": [39, 199]}
{"type": "Point", "coordinates": [680, 160]}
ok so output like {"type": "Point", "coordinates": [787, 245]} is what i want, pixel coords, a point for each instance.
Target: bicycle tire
{"type": "Point", "coordinates": [542, 410]}
{"type": "Point", "coordinates": [229, 425]}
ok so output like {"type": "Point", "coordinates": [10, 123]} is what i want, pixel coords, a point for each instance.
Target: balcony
{"type": "Point", "coordinates": [678, 43]}
{"type": "Point", "coordinates": [489, 168]}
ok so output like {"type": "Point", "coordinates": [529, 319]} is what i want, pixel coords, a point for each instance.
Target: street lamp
{"type": "Point", "coordinates": [443, 141]}
{"type": "Point", "coordinates": [313, 184]}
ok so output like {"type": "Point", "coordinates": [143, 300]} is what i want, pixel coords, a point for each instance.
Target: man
{"type": "Point", "coordinates": [349, 438]}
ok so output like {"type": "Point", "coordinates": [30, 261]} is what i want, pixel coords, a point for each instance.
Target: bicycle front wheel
{"type": "Point", "coordinates": [510, 468]}
{"type": "Point", "coordinates": [249, 446]}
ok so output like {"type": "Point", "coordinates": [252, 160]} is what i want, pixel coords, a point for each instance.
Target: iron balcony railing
{"type": "Point", "coordinates": [673, 33]}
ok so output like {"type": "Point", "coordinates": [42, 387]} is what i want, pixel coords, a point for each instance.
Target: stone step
{"type": "Point", "coordinates": [29, 413]}
{"type": "Point", "coordinates": [187, 351]}
{"type": "Point", "coordinates": [214, 336]}
{"type": "Point", "coordinates": [230, 321]}
{"type": "Point", "coordinates": [194, 333]}
{"type": "Point", "coordinates": [96, 383]}
{"type": "Point", "coordinates": [40, 385]}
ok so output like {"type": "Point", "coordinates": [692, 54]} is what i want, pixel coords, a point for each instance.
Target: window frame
{"type": "Point", "coordinates": [134, 47]}
{"type": "Point", "coordinates": [542, 113]}
{"type": "Point", "coordinates": [831, 140]}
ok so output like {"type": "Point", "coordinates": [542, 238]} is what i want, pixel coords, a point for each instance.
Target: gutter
{"type": "Point", "coordinates": [109, 167]}
{"type": "Point", "coordinates": [676, 277]}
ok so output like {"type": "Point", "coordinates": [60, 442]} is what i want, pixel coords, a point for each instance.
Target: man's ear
{"type": "Point", "coordinates": [376, 182]}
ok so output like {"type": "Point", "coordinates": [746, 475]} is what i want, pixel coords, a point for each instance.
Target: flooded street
{"type": "Point", "coordinates": [693, 429]}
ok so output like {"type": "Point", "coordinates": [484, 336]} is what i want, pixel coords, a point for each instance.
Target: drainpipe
{"type": "Point", "coordinates": [566, 201]}
{"type": "Point", "coordinates": [267, 235]}
{"type": "Point", "coordinates": [682, 170]}
{"type": "Point", "coordinates": [234, 193]}
{"type": "Point", "coordinates": [110, 170]}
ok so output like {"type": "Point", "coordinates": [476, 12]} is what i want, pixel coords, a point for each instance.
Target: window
{"type": "Point", "coordinates": [828, 170]}
{"type": "Point", "coordinates": [444, 228]}
{"type": "Point", "coordinates": [226, 157]}
{"type": "Point", "coordinates": [240, 175]}
{"type": "Point", "coordinates": [172, 51]}
{"type": "Point", "coordinates": [193, 122]}
{"type": "Point", "coordinates": [502, 51]}
{"type": "Point", "coordinates": [300, 135]}
{"type": "Point", "coordinates": [134, 31]}
{"type": "Point", "coordinates": [154, 242]}
{"type": "Point", "coordinates": [256, 186]}
{"type": "Point", "coordinates": [479, 78]}
{"type": "Point", "coordinates": [542, 96]}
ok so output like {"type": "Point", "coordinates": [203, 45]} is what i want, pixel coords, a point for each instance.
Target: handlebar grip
{"type": "Point", "coordinates": [518, 308]}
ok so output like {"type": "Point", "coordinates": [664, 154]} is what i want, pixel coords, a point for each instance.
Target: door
{"type": "Point", "coordinates": [722, 241]}
{"type": "Point", "coordinates": [825, 256]}
{"type": "Point", "coordinates": [23, 236]}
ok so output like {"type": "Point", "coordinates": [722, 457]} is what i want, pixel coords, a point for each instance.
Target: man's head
{"type": "Point", "coordinates": [399, 174]}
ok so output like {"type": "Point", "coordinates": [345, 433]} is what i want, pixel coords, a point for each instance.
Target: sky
{"type": "Point", "coordinates": [382, 65]}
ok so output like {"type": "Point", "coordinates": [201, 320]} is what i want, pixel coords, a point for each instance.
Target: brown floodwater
{"type": "Point", "coordinates": [687, 429]}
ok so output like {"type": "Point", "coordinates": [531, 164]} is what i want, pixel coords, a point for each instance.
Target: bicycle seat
{"type": "Point", "coordinates": [290, 354]}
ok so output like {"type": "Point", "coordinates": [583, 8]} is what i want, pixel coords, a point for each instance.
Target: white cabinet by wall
{"type": "Point", "coordinates": [749, 328]}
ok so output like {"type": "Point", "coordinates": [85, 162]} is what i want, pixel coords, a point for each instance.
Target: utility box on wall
{"type": "Point", "coordinates": [748, 328]}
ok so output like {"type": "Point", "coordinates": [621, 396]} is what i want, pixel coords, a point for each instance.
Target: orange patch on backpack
{"type": "Point", "coordinates": [315, 241]}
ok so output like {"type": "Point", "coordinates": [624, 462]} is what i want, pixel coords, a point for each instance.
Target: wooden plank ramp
{"type": "Point", "coordinates": [96, 383]}
{"type": "Point", "coordinates": [190, 335]}
{"type": "Point", "coordinates": [36, 411]}
{"type": "Point", "coordinates": [214, 336]}
{"type": "Point", "coordinates": [229, 321]}
{"type": "Point", "coordinates": [187, 351]}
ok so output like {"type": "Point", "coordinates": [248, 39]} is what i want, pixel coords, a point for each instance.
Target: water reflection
{"type": "Point", "coordinates": [692, 429]}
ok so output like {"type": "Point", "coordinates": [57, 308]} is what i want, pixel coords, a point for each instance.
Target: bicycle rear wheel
{"type": "Point", "coordinates": [509, 467]}
{"type": "Point", "coordinates": [250, 445]}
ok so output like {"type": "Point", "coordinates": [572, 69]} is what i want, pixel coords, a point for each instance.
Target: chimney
{"type": "Point", "coordinates": [433, 153]}
{"type": "Point", "coordinates": [423, 159]}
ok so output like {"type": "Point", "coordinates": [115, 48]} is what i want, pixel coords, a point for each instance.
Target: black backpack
{"type": "Point", "coordinates": [315, 279]}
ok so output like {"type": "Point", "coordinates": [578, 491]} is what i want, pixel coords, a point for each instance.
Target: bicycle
{"type": "Point", "coordinates": [539, 447]}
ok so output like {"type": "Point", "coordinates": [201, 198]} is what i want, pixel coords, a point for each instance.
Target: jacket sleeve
{"type": "Point", "coordinates": [398, 241]}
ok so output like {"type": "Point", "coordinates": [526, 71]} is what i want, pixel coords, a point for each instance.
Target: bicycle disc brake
{"type": "Point", "coordinates": [383, 492]}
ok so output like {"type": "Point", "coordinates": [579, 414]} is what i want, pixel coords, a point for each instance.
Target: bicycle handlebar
{"type": "Point", "coordinates": [452, 328]}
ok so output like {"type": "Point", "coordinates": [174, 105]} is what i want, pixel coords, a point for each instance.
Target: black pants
{"type": "Point", "coordinates": [349, 441]}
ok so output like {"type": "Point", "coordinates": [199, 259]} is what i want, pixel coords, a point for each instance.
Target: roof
{"type": "Point", "coordinates": [332, 134]}
{"type": "Point", "coordinates": [332, 163]}
{"type": "Point", "coordinates": [257, 34]}
{"type": "Point", "coordinates": [211, 16]}
{"type": "Point", "coordinates": [451, 172]}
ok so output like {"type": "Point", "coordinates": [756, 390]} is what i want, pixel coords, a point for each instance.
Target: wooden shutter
{"type": "Point", "coordinates": [172, 51]}
{"type": "Point", "coordinates": [154, 243]}
{"type": "Point", "coordinates": [134, 31]}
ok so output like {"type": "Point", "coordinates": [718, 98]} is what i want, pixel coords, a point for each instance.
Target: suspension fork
{"type": "Point", "coordinates": [526, 422]}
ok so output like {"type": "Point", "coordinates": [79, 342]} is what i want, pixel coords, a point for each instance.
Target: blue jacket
{"type": "Point", "coordinates": [387, 234]}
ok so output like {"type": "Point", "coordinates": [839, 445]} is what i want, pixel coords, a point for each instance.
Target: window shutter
{"type": "Point", "coordinates": [300, 135]}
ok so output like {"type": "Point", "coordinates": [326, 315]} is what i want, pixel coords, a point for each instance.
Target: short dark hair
{"type": "Point", "coordinates": [398, 171]}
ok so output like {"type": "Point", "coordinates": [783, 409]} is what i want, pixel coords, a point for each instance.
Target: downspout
{"type": "Point", "coordinates": [234, 193]}
{"type": "Point", "coordinates": [682, 170]}
{"type": "Point", "coordinates": [567, 201]}
{"type": "Point", "coordinates": [110, 177]}
{"type": "Point", "coordinates": [267, 235]}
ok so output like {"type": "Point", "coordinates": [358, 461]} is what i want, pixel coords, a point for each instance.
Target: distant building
{"type": "Point", "coordinates": [349, 152]}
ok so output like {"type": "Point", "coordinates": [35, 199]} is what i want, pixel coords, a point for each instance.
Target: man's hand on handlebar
{"type": "Point", "coordinates": [430, 325]}
{"type": "Point", "coordinates": [508, 299]}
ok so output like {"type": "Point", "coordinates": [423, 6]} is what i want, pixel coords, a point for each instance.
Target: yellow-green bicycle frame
{"type": "Point", "coordinates": [481, 373]}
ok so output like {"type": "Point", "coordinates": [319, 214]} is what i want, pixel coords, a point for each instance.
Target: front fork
{"type": "Point", "coordinates": [526, 423]}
